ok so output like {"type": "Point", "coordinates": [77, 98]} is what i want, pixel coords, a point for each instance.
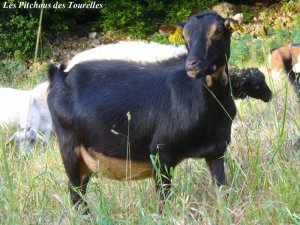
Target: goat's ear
{"type": "Point", "coordinates": [233, 25]}
{"type": "Point", "coordinates": [170, 28]}
{"type": "Point", "coordinates": [244, 82]}
{"type": "Point", "coordinates": [174, 31]}
{"type": "Point", "coordinates": [11, 140]}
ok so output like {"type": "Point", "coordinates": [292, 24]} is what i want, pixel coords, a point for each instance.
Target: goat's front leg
{"type": "Point", "coordinates": [162, 179]}
{"type": "Point", "coordinates": [47, 134]}
{"type": "Point", "coordinates": [216, 167]}
{"type": "Point", "coordinates": [162, 174]}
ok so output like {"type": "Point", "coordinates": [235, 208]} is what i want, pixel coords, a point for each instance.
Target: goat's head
{"type": "Point", "coordinates": [255, 86]}
{"type": "Point", "coordinates": [207, 37]}
{"type": "Point", "coordinates": [24, 138]}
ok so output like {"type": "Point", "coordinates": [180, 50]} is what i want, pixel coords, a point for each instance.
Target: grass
{"type": "Point", "coordinates": [262, 167]}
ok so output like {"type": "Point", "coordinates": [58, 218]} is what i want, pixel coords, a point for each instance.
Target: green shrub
{"type": "Point", "coordinates": [12, 71]}
{"type": "Point", "coordinates": [179, 11]}
{"type": "Point", "coordinates": [130, 17]}
{"type": "Point", "coordinates": [258, 51]}
{"type": "Point", "coordinates": [247, 13]}
{"type": "Point", "coordinates": [273, 43]}
{"type": "Point", "coordinates": [288, 5]}
{"type": "Point", "coordinates": [265, 18]}
{"type": "Point", "coordinates": [240, 52]}
{"type": "Point", "coordinates": [295, 34]}
{"type": "Point", "coordinates": [283, 36]}
{"type": "Point", "coordinates": [163, 39]}
{"type": "Point", "coordinates": [138, 19]}
{"type": "Point", "coordinates": [18, 27]}
{"type": "Point", "coordinates": [18, 35]}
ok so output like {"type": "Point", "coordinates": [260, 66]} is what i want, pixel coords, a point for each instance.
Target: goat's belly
{"type": "Point", "coordinates": [114, 168]}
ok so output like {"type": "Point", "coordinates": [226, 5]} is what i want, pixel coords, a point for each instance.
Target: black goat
{"type": "Point", "coordinates": [249, 82]}
{"type": "Point", "coordinates": [174, 116]}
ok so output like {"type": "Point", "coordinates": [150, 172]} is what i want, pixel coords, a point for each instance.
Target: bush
{"type": "Point", "coordinates": [138, 19]}
{"type": "Point", "coordinates": [18, 27]}
{"type": "Point", "coordinates": [260, 51]}
{"type": "Point", "coordinates": [296, 33]}
{"type": "Point", "coordinates": [131, 17]}
{"type": "Point", "coordinates": [12, 71]}
{"type": "Point", "coordinates": [18, 35]}
{"type": "Point", "coordinates": [240, 51]}
{"type": "Point", "coordinates": [181, 10]}
{"type": "Point", "coordinates": [162, 39]}
{"type": "Point", "coordinates": [247, 13]}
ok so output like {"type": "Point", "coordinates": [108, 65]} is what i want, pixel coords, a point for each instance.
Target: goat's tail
{"type": "Point", "coordinates": [56, 75]}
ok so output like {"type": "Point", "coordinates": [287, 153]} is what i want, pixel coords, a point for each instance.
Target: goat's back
{"type": "Point", "coordinates": [14, 107]}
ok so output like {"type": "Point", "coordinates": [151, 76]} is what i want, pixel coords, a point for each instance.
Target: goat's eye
{"type": "Point", "coordinates": [219, 31]}
{"type": "Point", "coordinates": [187, 44]}
{"type": "Point", "coordinates": [186, 38]}
{"type": "Point", "coordinates": [257, 87]}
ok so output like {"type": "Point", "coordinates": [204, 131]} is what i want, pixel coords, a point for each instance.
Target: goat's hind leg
{"type": "Point", "coordinates": [74, 166]}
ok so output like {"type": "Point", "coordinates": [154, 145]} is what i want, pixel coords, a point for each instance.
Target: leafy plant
{"type": "Point", "coordinates": [138, 19]}
{"type": "Point", "coordinates": [258, 51]}
{"type": "Point", "coordinates": [163, 39]}
{"type": "Point", "coordinates": [265, 18]}
{"type": "Point", "coordinates": [18, 36]}
{"type": "Point", "coordinates": [128, 18]}
{"type": "Point", "coordinates": [247, 13]}
{"type": "Point", "coordinates": [179, 11]}
{"type": "Point", "coordinates": [295, 33]}
{"type": "Point", "coordinates": [240, 52]}
{"type": "Point", "coordinates": [288, 5]}
{"type": "Point", "coordinates": [12, 71]}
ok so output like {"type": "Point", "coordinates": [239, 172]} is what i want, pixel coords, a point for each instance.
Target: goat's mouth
{"type": "Point", "coordinates": [267, 99]}
{"type": "Point", "coordinates": [197, 72]}
{"type": "Point", "coordinates": [242, 95]}
{"type": "Point", "coordinates": [194, 73]}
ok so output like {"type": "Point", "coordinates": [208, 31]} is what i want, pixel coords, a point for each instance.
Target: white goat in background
{"type": "Point", "coordinates": [28, 111]}
{"type": "Point", "coordinates": [132, 51]}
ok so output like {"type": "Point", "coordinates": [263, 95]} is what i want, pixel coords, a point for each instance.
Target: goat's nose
{"type": "Point", "coordinates": [192, 62]}
{"type": "Point", "coordinates": [270, 97]}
